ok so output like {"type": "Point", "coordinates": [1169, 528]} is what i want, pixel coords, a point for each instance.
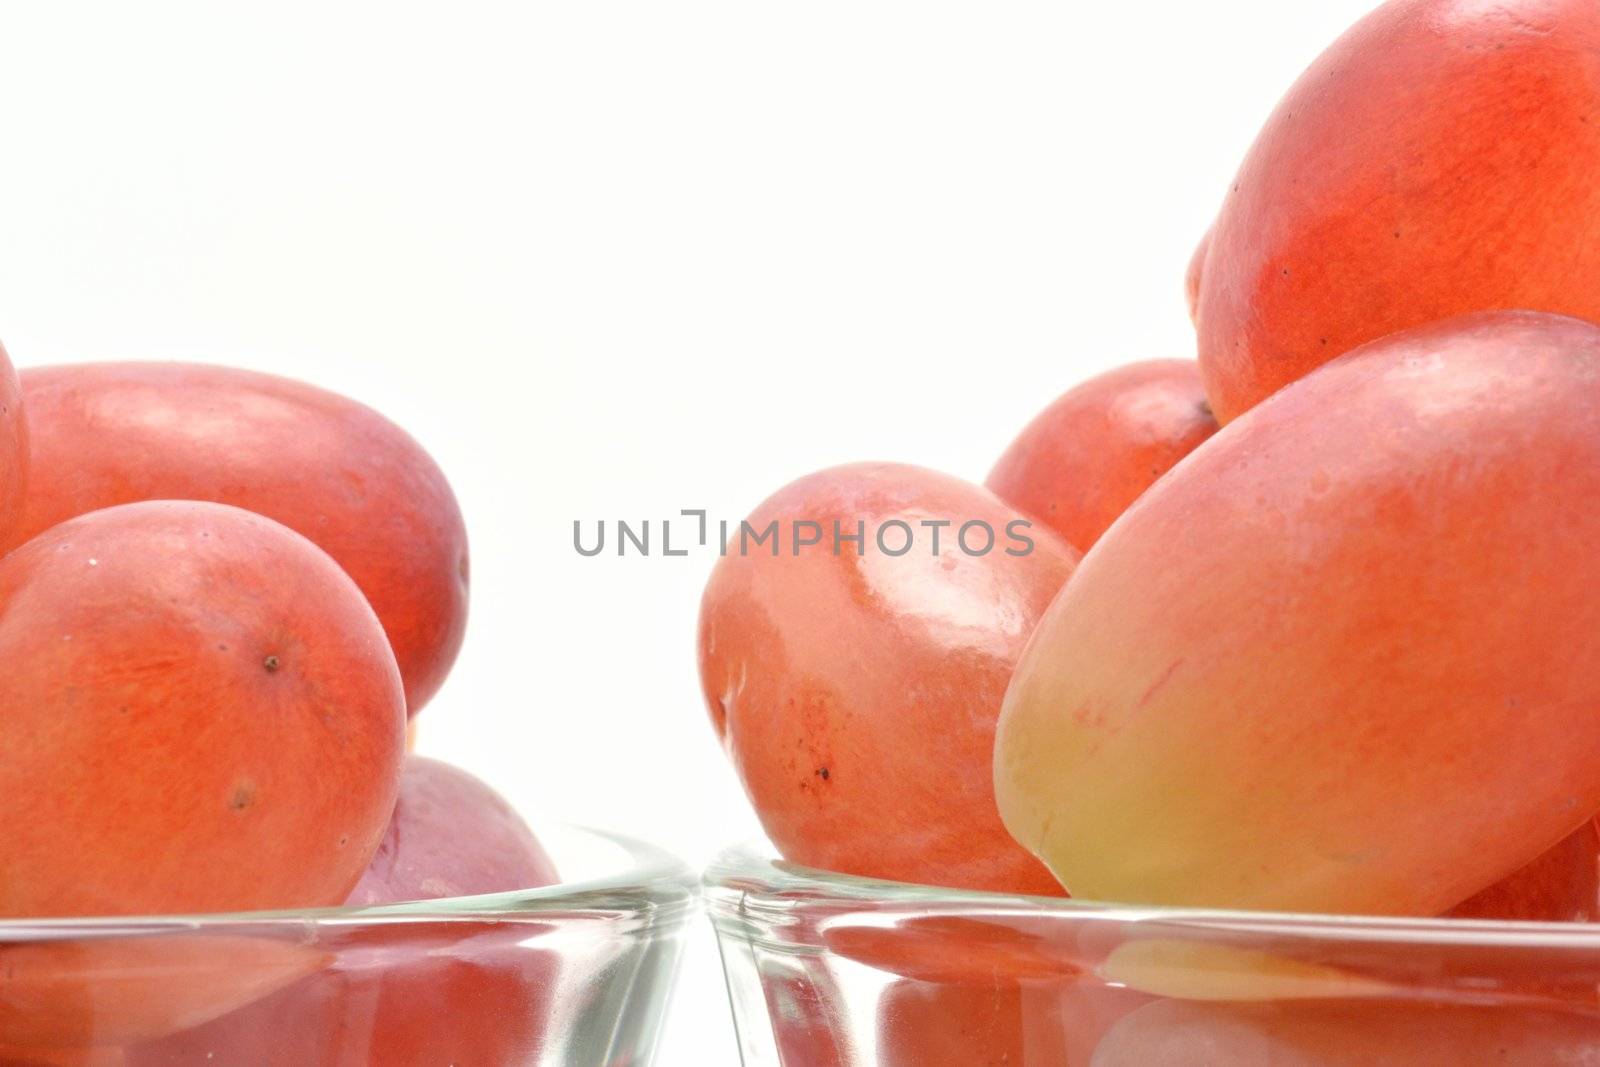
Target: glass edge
{"type": "Point", "coordinates": [762, 880]}
{"type": "Point", "coordinates": [655, 882]}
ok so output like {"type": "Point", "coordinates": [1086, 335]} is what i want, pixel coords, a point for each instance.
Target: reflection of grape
{"type": "Point", "coordinates": [857, 691]}
{"type": "Point", "coordinates": [1177, 1033]}
{"type": "Point", "coordinates": [997, 1020]}
{"type": "Point", "coordinates": [412, 995]}
{"type": "Point", "coordinates": [980, 1025]}
{"type": "Point", "coordinates": [461, 992]}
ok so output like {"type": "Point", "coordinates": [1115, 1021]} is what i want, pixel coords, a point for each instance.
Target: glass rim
{"type": "Point", "coordinates": [654, 884]}
{"type": "Point", "coordinates": [748, 880]}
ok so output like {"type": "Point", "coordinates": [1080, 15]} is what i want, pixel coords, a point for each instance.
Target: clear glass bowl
{"type": "Point", "coordinates": [576, 975]}
{"type": "Point", "coordinates": [825, 970]}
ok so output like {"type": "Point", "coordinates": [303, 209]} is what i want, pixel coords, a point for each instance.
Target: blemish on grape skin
{"type": "Point", "coordinates": [1160, 682]}
{"type": "Point", "coordinates": [719, 712]}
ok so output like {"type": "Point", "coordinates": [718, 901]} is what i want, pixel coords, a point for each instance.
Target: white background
{"type": "Point", "coordinates": [614, 260]}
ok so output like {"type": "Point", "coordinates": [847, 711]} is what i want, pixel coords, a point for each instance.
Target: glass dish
{"type": "Point", "coordinates": [826, 970]}
{"type": "Point", "coordinates": [575, 975]}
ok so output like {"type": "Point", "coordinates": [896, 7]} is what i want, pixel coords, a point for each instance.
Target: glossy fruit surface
{"type": "Point", "coordinates": [327, 467]}
{"type": "Point", "coordinates": [451, 836]}
{"type": "Point", "coordinates": [201, 713]}
{"type": "Point", "coordinates": [1439, 159]}
{"type": "Point", "coordinates": [1345, 658]}
{"type": "Point", "coordinates": [1092, 452]}
{"type": "Point", "coordinates": [857, 690]}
